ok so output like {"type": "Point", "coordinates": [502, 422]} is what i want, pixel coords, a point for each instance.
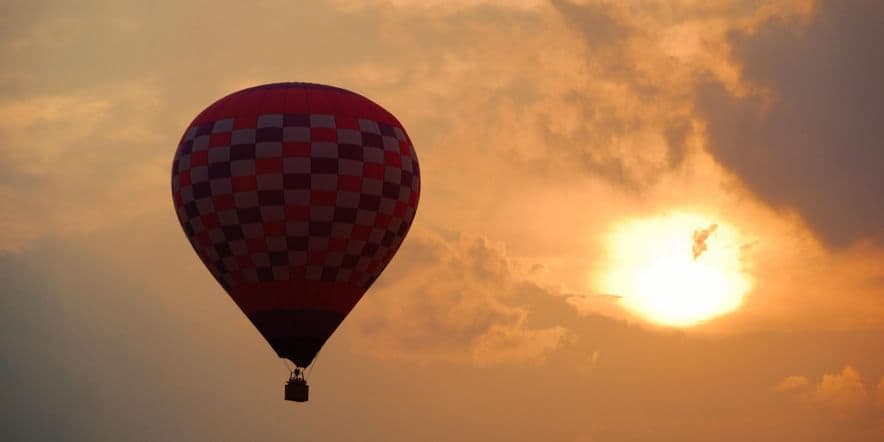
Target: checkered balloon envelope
{"type": "Point", "coordinates": [295, 196]}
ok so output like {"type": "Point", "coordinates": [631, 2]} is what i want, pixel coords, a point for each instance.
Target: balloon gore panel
{"type": "Point", "coordinates": [295, 196]}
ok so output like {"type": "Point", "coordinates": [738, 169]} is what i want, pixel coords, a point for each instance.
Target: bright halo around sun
{"type": "Point", "coordinates": [677, 270]}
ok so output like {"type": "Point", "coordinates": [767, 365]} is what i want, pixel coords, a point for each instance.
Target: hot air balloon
{"type": "Point", "coordinates": [295, 196]}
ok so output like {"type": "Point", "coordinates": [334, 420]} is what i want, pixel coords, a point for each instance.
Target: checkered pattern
{"type": "Point", "coordinates": [275, 196]}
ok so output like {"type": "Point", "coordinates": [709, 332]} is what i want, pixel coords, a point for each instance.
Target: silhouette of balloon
{"type": "Point", "coordinates": [295, 196]}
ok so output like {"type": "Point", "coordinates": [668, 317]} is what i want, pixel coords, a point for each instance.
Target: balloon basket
{"type": "Point", "coordinates": [296, 390]}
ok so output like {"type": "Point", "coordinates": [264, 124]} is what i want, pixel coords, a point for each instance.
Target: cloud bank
{"type": "Point", "coordinates": [806, 138]}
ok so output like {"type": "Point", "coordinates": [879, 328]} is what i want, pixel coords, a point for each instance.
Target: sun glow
{"type": "Point", "coordinates": [677, 270]}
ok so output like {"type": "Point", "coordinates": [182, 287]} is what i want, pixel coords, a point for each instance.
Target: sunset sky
{"type": "Point", "coordinates": [639, 221]}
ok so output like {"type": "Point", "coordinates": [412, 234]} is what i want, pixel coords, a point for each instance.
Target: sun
{"type": "Point", "coordinates": [678, 269]}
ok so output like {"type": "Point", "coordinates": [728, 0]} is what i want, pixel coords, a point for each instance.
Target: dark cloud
{"type": "Point", "coordinates": [816, 145]}
{"type": "Point", "coordinates": [595, 21]}
{"type": "Point", "coordinates": [677, 133]}
{"type": "Point", "coordinates": [612, 38]}
{"type": "Point", "coordinates": [591, 146]}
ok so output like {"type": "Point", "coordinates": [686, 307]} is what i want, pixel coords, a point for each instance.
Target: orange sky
{"type": "Point", "coordinates": [544, 128]}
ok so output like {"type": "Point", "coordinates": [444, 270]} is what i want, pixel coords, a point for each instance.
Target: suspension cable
{"type": "Point", "coordinates": [312, 365]}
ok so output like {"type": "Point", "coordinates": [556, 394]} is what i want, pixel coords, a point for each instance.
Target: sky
{"type": "Point", "coordinates": [568, 149]}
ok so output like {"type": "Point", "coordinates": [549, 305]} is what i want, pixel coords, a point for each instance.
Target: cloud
{"type": "Point", "coordinates": [451, 300]}
{"type": "Point", "coordinates": [597, 22]}
{"type": "Point", "coordinates": [634, 125]}
{"type": "Point", "coordinates": [61, 172]}
{"type": "Point", "coordinates": [792, 383]}
{"type": "Point", "coordinates": [843, 392]}
{"type": "Point", "coordinates": [806, 137]}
